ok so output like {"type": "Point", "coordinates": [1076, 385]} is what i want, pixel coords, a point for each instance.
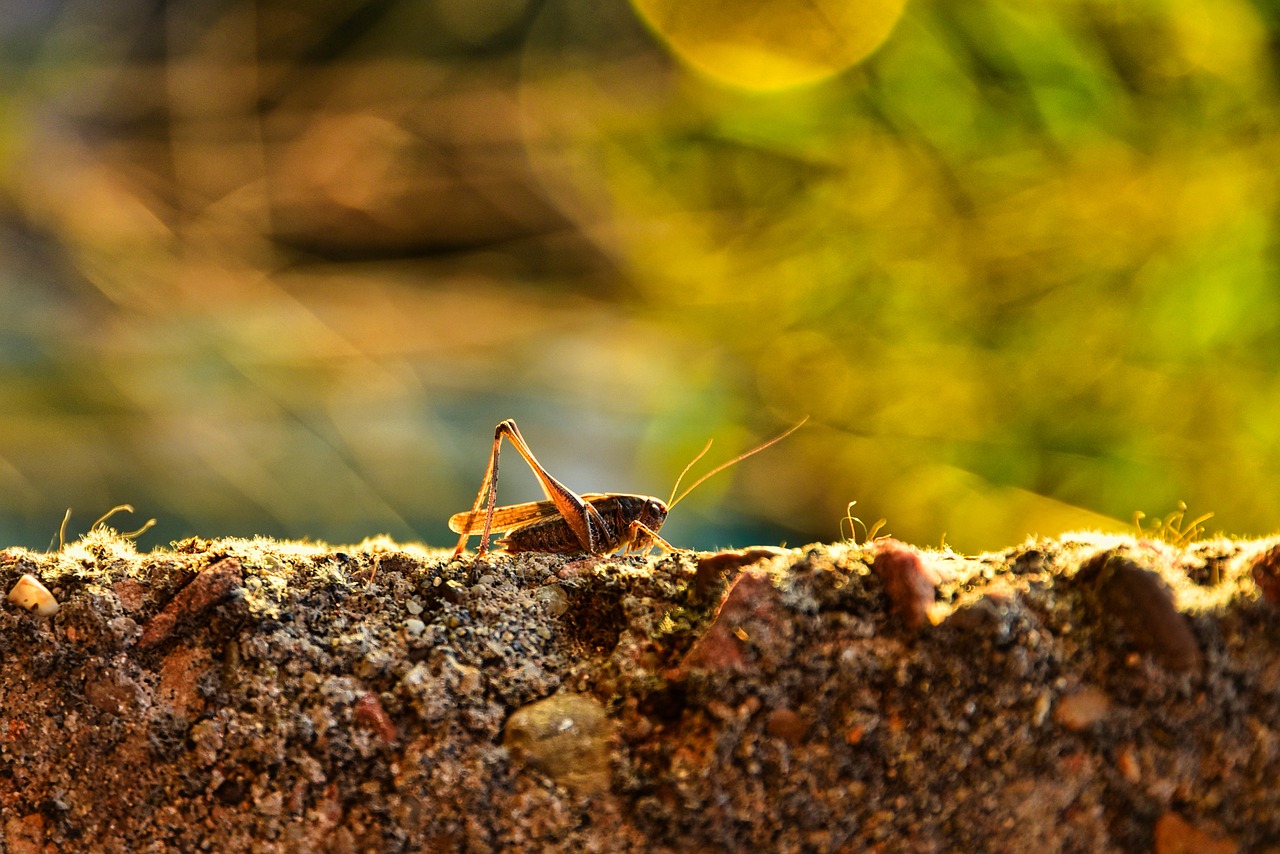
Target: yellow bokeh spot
{"type": "Point", "coordinates": [1223, 37]}
{"type": "Point", "coordinates": [771, 44]}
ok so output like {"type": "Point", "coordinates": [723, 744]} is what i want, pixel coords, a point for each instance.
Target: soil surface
{"type": "Point", "coordinates": [1087, 693]}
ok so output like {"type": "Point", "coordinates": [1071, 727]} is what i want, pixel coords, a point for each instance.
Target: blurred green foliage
{"type": "Point", "coordinates": [279, 269]}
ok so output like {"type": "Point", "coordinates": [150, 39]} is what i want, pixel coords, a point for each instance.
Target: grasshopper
{"type": "Point", "coordinates": [595, 522]}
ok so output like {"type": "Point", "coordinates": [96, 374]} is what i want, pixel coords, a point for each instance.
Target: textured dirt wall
{"type": "Point", "coordinates": [1084, 694]}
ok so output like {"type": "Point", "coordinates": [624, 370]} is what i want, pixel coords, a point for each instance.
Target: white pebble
{"type": "Point", "coordinates": [29, 593]}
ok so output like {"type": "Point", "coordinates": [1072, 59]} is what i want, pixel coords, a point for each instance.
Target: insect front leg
{"type": "Point", "coordinates": [583, 519]}
{"type": "Point", "coordinates": [641, 538]}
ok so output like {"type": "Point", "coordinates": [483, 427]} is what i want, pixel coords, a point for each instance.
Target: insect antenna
{"type": "Point", "coordinates": [677, 499]}
{"type": "Point", "coordinates": [671, 501]}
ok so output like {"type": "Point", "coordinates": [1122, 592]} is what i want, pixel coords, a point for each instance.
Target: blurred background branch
{"type": "Point", "coordinates": [279, 269]}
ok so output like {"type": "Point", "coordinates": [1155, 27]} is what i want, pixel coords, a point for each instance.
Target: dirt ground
{"type": "Point", "coordinates": [1087, 693]}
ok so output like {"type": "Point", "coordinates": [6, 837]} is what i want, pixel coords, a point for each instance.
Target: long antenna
{"type": "Point", "coordinates": [670, 501]}
{"type": "Point", "coordinates": [775, 440]}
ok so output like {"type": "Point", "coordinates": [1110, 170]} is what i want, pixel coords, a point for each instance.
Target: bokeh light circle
{"type": "Point", "coordinates": [770, 44]}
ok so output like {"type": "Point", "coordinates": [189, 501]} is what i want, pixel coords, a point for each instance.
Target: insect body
{"type": "Point", "coordinates": [595, 523]}
{"type": "Point", "coordinates": [629, 521]}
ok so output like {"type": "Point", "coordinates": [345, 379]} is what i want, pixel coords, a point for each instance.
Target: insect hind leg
{"type": "Point", "coordinates": [583, 519]}
{"type": "Point", "coordinates": [488, 490]}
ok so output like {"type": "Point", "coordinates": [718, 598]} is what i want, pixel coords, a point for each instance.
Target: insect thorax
{"type": "Point", "coordinates": [619, 511]}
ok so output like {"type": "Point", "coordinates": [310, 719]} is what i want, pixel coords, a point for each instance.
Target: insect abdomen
{"type": "Point", "coordinates": [551, 536]}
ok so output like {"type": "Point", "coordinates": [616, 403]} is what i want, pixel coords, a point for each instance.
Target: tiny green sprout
{"type": "Point", "coordinates": [868, 534]}
{"type": "Point", "coordinates": [1174, 528]}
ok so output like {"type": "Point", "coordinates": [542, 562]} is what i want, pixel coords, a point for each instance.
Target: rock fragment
{"type": "Point", "coordinates": [990, 615]}
{"type": "Point", "coordinates": [178, 691]}
{"type": "Point", "coordinates": [131, 593]}
{"type": "Point", "coordinates": [116, 693]}
{"type": "Point", "coordinates": [25, 834]}
{"type": "Point", "coordinates": [209, 588]}
{"type": "Point", "coordinates": [747, 627]}
{"type": "Point", "coordinates": [1143, 602]}
{"type": "Point", "coordinates": [371, 715]}
{"type": "Point", "coordinates": [712, 567]}
{"type": "Point", "coordinates": [30, 594]}
{"type": "Point", "coordinates": [909, 581]}
{"type": "Point", "coordinates": [1266, 574]}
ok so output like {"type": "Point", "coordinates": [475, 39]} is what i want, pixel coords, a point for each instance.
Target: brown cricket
{"type": "Point", "coordinates": [596, 523]}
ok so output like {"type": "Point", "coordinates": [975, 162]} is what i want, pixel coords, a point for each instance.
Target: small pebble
{"type": "Point", "coordinates": [414, 627]}
{"type": "Point", "coordinates": [1082, 709]}
{"type": "Point", "coordinates": [787, 725]}
{"type": "Point", "coordinates": [553, 598]}
{"type": "Point", "coordinates": [30, 594]}
{"type": "Point", "coordinates": [1127, 765]}
{"type": "Point", "coordinates": [471, 682]}
{"type": "Point", "coordinates": [1043, 704]}
{"type": "Point", "coordinates": [566, 736]}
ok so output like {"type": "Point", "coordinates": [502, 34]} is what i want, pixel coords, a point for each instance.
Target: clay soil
{"type": "Point", "coordinates": [1087, 693]}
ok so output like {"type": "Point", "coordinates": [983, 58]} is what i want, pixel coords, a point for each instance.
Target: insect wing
{"type": "Point", "coordinates": [504, 518]}
{"type": "Point", "coordinates": [515, 515]}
